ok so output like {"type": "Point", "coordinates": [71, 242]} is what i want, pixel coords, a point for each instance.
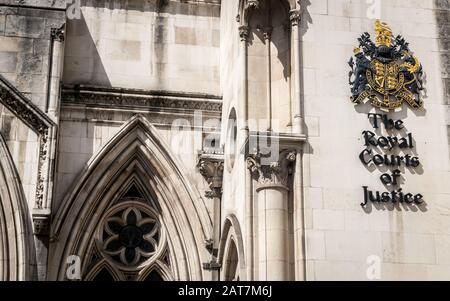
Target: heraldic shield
{"type": "Point", "coordinates": [386, 72]}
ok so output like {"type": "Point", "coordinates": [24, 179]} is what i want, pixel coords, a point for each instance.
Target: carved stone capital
{"type": "Point", "coordinates": [267, 32]}
{"type": "Point", "coordinates": [57, 34]}
{"type": "Point", "coordinates": [211, 168]}
{"type": "Point", "coordinates": [244, 33]}
{"type": "Point", "coordinates": [271, 173]}
{"type": "Point", "coordinates": [295, 17]}
{"type": "Point", "coordinates": [41, 225]}
{"type": "Point", "coordinates": [252, 4]}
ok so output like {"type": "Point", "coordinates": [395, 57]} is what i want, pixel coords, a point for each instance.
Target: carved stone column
{"type": "Point", "coordinates": [298, 118]}
{"type": "Point", "coordinates": [272, 189]}
{"type": "Point", "coordinates": [211, 167]}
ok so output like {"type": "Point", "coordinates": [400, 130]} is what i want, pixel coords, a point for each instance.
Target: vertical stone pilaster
{"type": "Point", "coordinates": [41, 229]}
{"type": "Point", "coordinates": [211, 167]}
{"type": "Point", "coordinates": [272, 189]}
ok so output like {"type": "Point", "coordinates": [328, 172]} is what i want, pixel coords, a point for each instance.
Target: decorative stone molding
{"type": "Point", "coordinates": [273, 173]}
{"type": "Point", "coordinates": [295, 17]}
{"type": "Point", "coordinates": [247, 6]}
{"type": "Point", "coordinates": [94, 96]}
{"type": "Point", "coordinates": [243, 33]}
{"type": "Point", "coordinates": [58, 34]}
{"type": "Point", "coordinates": [211, 167]}
{"type": "Point", "coordinates": [41, 225]}
{"type": "Point", "coordinates": [267, 32]}
{"type": "Point", "coordinates": [40, 123]}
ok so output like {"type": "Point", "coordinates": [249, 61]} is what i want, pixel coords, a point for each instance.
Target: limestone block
{"type": "Point", "coordinates": [356, 221]}
{"type": "Point", "coordinates": [313, 198]}
{"type": "Point", "coordinates": [30, 63]}
{"type": "Point", "coordinates": [2, 24]}
{"type": "Point", "coordinates": [21, 26]}
{"type": "Point", "coordinates": [340, 271]}
{"type": "Point", "coordinates": [31, 83]}
{"type": "Point", "coordinates": [442, 249]}
{"type": "Point", "coordinates": [352, 246]}
{"type": "Point", "coordinates": [404, 272]}
{"type": "Point", "coordinates": [438, 272]}
{"type": "Point", "coordinates": [318, 7]}
{"type": "Point", "coordinates": [8, 61]}
{"type": "Point", "coordinates": [408, 248]}
{"type": "Point", "coordinates": [328, 219]}
{"type": "Point", "coordinates": [315, 245]}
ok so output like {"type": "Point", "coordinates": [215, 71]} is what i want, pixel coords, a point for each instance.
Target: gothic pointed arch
{"type": "Point", "coordinates": [231, 251]}
{"type": "Point", "coordinates": [103, 272]}
{"type": "Point", "coordinates": [135, 171]}
{"type": "Point", "coordinates": [16, 237]}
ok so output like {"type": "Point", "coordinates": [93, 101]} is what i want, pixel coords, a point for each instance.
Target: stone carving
{"type": "Point", "coordinates": [211, 168]}
{"type": "Point", "coordinates": [22, 111]}
{"type": "Point", "coordinates": [41, 225]}
{"type": "Point", "coordinates": [57, 34]}
{"type": "Point", "coordinates": [386, 72]}
{"type": "Point", "coordinates": [252, 4]}
{"type": "Point", "coordinates": [273, 173]}
{"type": "Point", "coordinates": [243, 33]}
{"type": "Point", "coordinates": [116, 98]}
{"type": "Point", "coordinates": [295, 17]}
{"type": "Point", "coordinates": [38, 122]}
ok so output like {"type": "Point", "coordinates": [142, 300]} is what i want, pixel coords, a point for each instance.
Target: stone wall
{"type": "Point", "coordinates": [140, 45]}
{"type": "Point", "coordinates": [25, 46]}
{"type": "Point", "coordinates": [341, 235]}
{"type": "Point", "coordinates": [23, 145]}
{"type": "Point", "coordinates": [443, 22]}
{"type": "Point", "coordinates": [25, 30]}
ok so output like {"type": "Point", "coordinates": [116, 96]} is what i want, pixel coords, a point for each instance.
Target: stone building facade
{"type": "Point", "coordinates": [215, 140]}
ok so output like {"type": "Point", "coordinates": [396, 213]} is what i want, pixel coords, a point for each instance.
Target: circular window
{"type": "Point", "coordinates": [131, 235]}
{"type": "Point", "coordinates": [231, 144]}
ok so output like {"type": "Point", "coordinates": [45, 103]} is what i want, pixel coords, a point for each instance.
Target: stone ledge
{"type": "Point", "coordinates": [43, 4]}
{"type": "Point", "coordinates": [130, 98]}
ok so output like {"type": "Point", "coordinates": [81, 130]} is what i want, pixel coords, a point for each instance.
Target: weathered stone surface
{"type": "Point", "coordinates": [8, 62]}
{"type": "Point", "coordinates": [27, 27]}
{"type": "Point", "coordinates": [169, 61]}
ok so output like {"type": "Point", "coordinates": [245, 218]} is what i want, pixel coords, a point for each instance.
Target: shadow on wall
{"type": "Point", "coordinates": [442, 11]}
{"type": "Point", "coordinates": [396, 207]}
{"type": "Point", "coordinates": [83, 64]}
{"type": "Point", "coordinates": [306, 18]}
{"type": "Point", "coordinates": [182, 8]}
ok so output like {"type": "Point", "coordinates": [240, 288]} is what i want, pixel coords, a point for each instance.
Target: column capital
{"type": "Point", "coordinates": [252, 4]}
{"type": "Point", "coordinates": [41, 224]}
{"type": "Point", "coordinates": [295, 17]}
{"type": "Point", "coordinates": [244, 31]}
{"type": "Point", "coordinates": [271, 173]}
{"type": "Point", "coordinates": [211, 168]}
{"type": "Point", "coordinates": [58, 34]}
{"type": "Point", "coordinates": [267, 32]}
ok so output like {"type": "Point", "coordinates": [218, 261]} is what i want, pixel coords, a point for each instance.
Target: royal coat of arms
{"type": "Point", "coordinates": [386, 72]}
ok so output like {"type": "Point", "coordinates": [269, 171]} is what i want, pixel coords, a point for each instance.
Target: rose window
{"type": "Point", "coordinates": [131, 236]}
